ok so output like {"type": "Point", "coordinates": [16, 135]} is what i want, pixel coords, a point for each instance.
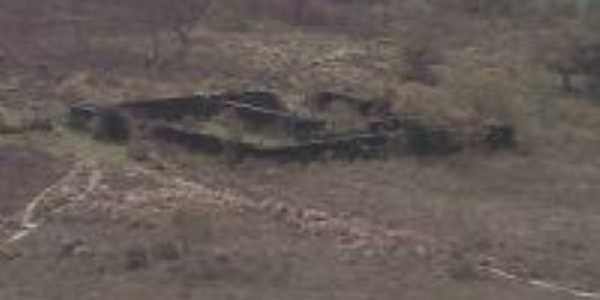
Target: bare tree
{"type": "Point", "coordinates": [167, 20]}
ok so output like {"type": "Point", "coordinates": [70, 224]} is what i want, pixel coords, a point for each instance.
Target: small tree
{"type": "Point", "coordinates": [166, 20]}
{"type": "Point", "coordinates": [419, 56]}
{"type": "Point", "coordinates": [576, 55]}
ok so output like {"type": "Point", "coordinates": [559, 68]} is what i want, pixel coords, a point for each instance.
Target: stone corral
{"type": "Point", "coordinates": [382, 133]}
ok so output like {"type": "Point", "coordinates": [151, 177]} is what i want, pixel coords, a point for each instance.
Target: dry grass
{"type": "Point", "coordinates": [534, 210]}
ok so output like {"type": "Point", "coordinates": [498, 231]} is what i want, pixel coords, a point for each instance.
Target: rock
{"type": "Point", "coordinates": [74, 247]}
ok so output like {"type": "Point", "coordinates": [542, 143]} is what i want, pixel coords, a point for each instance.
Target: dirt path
{"type": "Point", "coordinates": [83, 178]}
{"type": "Point", "coordinates": [83, 185]}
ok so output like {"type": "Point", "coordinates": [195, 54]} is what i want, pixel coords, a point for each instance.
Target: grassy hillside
{"type": "Point", "coordinates": [425, 226]}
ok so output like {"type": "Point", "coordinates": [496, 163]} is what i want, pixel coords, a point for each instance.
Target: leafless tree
{"type": "Point", "coordinates": [167, 20]}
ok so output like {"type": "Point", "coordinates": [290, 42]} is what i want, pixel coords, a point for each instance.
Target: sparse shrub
{"type": "Point", "coordinates": [487, 8]}
{"type": "Point", "coordinates": [419, 56]}
{"type": "Point", "coordinates": [41, 124]}
{"type": "Point", "coordinates": [352, 17]}
{"type": "Point", "coordinates": [492, 7]}
{"type": "Point", "coordinates": [575, 52]}
{"type": "Point", "coordinates": [9, 126]}
{"type": "Point", "coordinates": [191, 228]}
{"type": "Point", "coordinates": [166, 251]}
{"type": "Point", "coordinates": [460, 268]}
{"type": "Point", "coordinates": [500, 137]}
{"type": "Point", "coordinates": [424, 140]}
{"type": "Point", "coordinates": [588, 59]}
{"type": "Point", "coordinates": [170, 23]}
{"type": "Point", "coordinates": [488, 94]}
{"type": "Point", "coordinates": [233, 154]}
{"type": "Point", "coordinates": [594, 86]}
{"type": "Point", "coordinates": [4, 127]}
{"type": "Point", "coordinates": [136, 258]}
{"type": "Point", "coordinates": [420, 140]}
{"type": "Point", "coordinates": [138, 151]}
{"type": "Point", "coordinates": [23, 122]}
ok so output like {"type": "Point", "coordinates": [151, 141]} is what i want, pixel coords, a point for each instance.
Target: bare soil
{"type": "Point", "coordinates": [25, 172]}
{"type": "Point", "coordinates": [144, 240]}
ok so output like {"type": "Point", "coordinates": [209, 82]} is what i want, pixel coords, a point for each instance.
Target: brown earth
{"type": "Point", "coordinates": [25, 172]}
{"type": "Point", "coordinates": [145, 234]}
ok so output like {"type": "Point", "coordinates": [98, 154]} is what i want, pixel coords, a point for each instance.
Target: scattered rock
{"type": "Point", "coordinates": [74, 247]}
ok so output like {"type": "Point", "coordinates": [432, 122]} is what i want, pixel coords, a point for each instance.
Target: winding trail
{"type": "Point", "coordinates": [64, 189]}
{"type": "Point", "coordinates": [538, 284]}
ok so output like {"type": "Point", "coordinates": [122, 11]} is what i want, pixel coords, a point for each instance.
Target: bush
{"type": "Point", "coordinates": [138, 151]}
{"type": "Point", "coordinates": [424, 140]}
{"type": "Point", "coordinates": [419, 56]}
{"type": "Point", "coordinates": [20, 124]}
{"type": "Point", "coordinates": [491, 7]}
{"type": "Point", "coordinates": [587, 58]}
{"type": "Point", "coordinates": [166, 251]}
{"type": "Point", "coordinates": [136, 258]}
{"type": "Point", "coordinates": [487, 8]}
{"type": "Point", "coordinates": [41, 124]}
{"type": "Point", "coordinates": [500, 137]}
{"type": "Point", "coordinates": [9, 126]}
{"type": "Point", "coordinates": [573, 52]}
{"type": "Point", "coordinates": [4, 127]}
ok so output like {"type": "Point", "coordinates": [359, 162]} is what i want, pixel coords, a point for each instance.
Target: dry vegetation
{"type": "Point", "coordinates": [461, 62]}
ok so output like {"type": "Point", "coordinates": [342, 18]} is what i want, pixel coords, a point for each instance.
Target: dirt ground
{"type": "Point", "coordinates": [519, 209]}
{"type": "Point", "coordinates": [156, 237]}
{"type": "Point", "coordinates": [25, 172]}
